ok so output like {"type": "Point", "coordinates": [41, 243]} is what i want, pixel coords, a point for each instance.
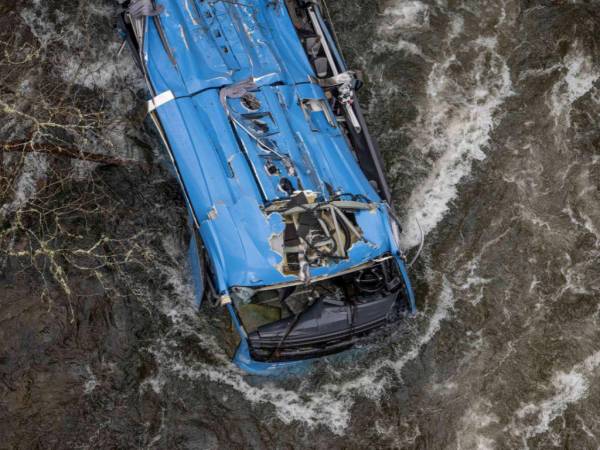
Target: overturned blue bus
{"type": "Point", "coordinates": [292, 215]}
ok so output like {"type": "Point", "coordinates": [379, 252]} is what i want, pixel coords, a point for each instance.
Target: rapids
{"type": "Point", "coordinates": [487, 114]}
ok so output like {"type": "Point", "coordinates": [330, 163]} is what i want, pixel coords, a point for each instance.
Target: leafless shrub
{"type": "Point", "coordinates": [60, 220]}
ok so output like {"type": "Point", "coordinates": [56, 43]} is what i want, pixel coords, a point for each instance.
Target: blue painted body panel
{"type": "Point", "coordinates": [205, 46]}
{"type": "Point", "coordinates": [220, 183]}
{"type": "Point", "coordinates": [220, 43]}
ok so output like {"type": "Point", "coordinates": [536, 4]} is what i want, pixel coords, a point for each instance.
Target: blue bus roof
{"type": "Point", "coordinates": [232, 154]}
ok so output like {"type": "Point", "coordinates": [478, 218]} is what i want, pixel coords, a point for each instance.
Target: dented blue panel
{"type": "Point", "coordinates": [272, 162]}
{"type": "Point", "coordinates": [208, 45]}
{"type": "Point", "coordinates": [196, 48]}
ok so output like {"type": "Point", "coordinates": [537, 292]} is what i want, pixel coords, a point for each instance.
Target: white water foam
{"type": "Point", "coordinates": [399, 45]}
{"type": "Point", "coordinates": [454, 129]}
{"type": "Point", "coordinates": [444, 305]}
{"type": "Point", "coordinates": [535, 418]}
{"type": "Point", "coordinates": [405, 15]}
{"type": "Point", "coordinates": [580, 75]}
{"type": "Point", "coordinates": [46, 29]}
{"type": "Point", "coordinates": [92, 381]}
{"type": "Point", "coordinates": [473, 284]}
{"type": "Point", "coordinates": [328, 405]}
{"type": "Point", "coordinates": [103, 73]}
{"type": "Point", "coordinates": [473, 423]}
{"type": "Point", "coordinates": [373, 382]}
{"type": "Point", "coordinates": [33, 170]}
{"type": "Point", "coordinates": [114, 78]}
{"type": "Point", "coordinates": [311, 408]}
{"type": "Point", "coordinates": [88, 67]}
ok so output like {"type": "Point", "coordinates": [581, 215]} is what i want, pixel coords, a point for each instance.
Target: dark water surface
{"type": "Point", "coordinates": [488, 115]}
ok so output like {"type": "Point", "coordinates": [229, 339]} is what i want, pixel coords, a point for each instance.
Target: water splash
{"type": "Point", "coordinates": [310, 408]}
{"type": "Point", "coordinates": [533, 419]}
{"type": "Point", "coordinates": [33, 170]}
{"type": "Point", "coordinates": [328, 405]}
{"type": "Point", "coordinates": [453, 129]}
{"type": "Point", "coordinates": [405, 15]}
{"type": "Point", "coordinates": [454, 126]}
{"type": "Point", "coordinates": [580, 75]}
{"type": "Point", "coordinates": [471, 435]}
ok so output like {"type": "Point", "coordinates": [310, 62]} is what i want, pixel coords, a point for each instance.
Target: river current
{"type": "Point", "coordinates": [487, 113]}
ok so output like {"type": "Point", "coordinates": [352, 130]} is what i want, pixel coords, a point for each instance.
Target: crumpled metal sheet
{"type": "Point", "coordinates": [141, 8]}
{"type": "Point", "coordinates": [225, 171]}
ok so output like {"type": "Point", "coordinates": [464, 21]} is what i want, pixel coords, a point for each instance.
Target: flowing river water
{"type": "Point", "coordinates": [487, 113]}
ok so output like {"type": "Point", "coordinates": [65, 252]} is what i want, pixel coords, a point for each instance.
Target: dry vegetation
{"type": "Point", "coordinates": [92, 229]}
{"type": "Point", "coordinates": [62, 141]}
